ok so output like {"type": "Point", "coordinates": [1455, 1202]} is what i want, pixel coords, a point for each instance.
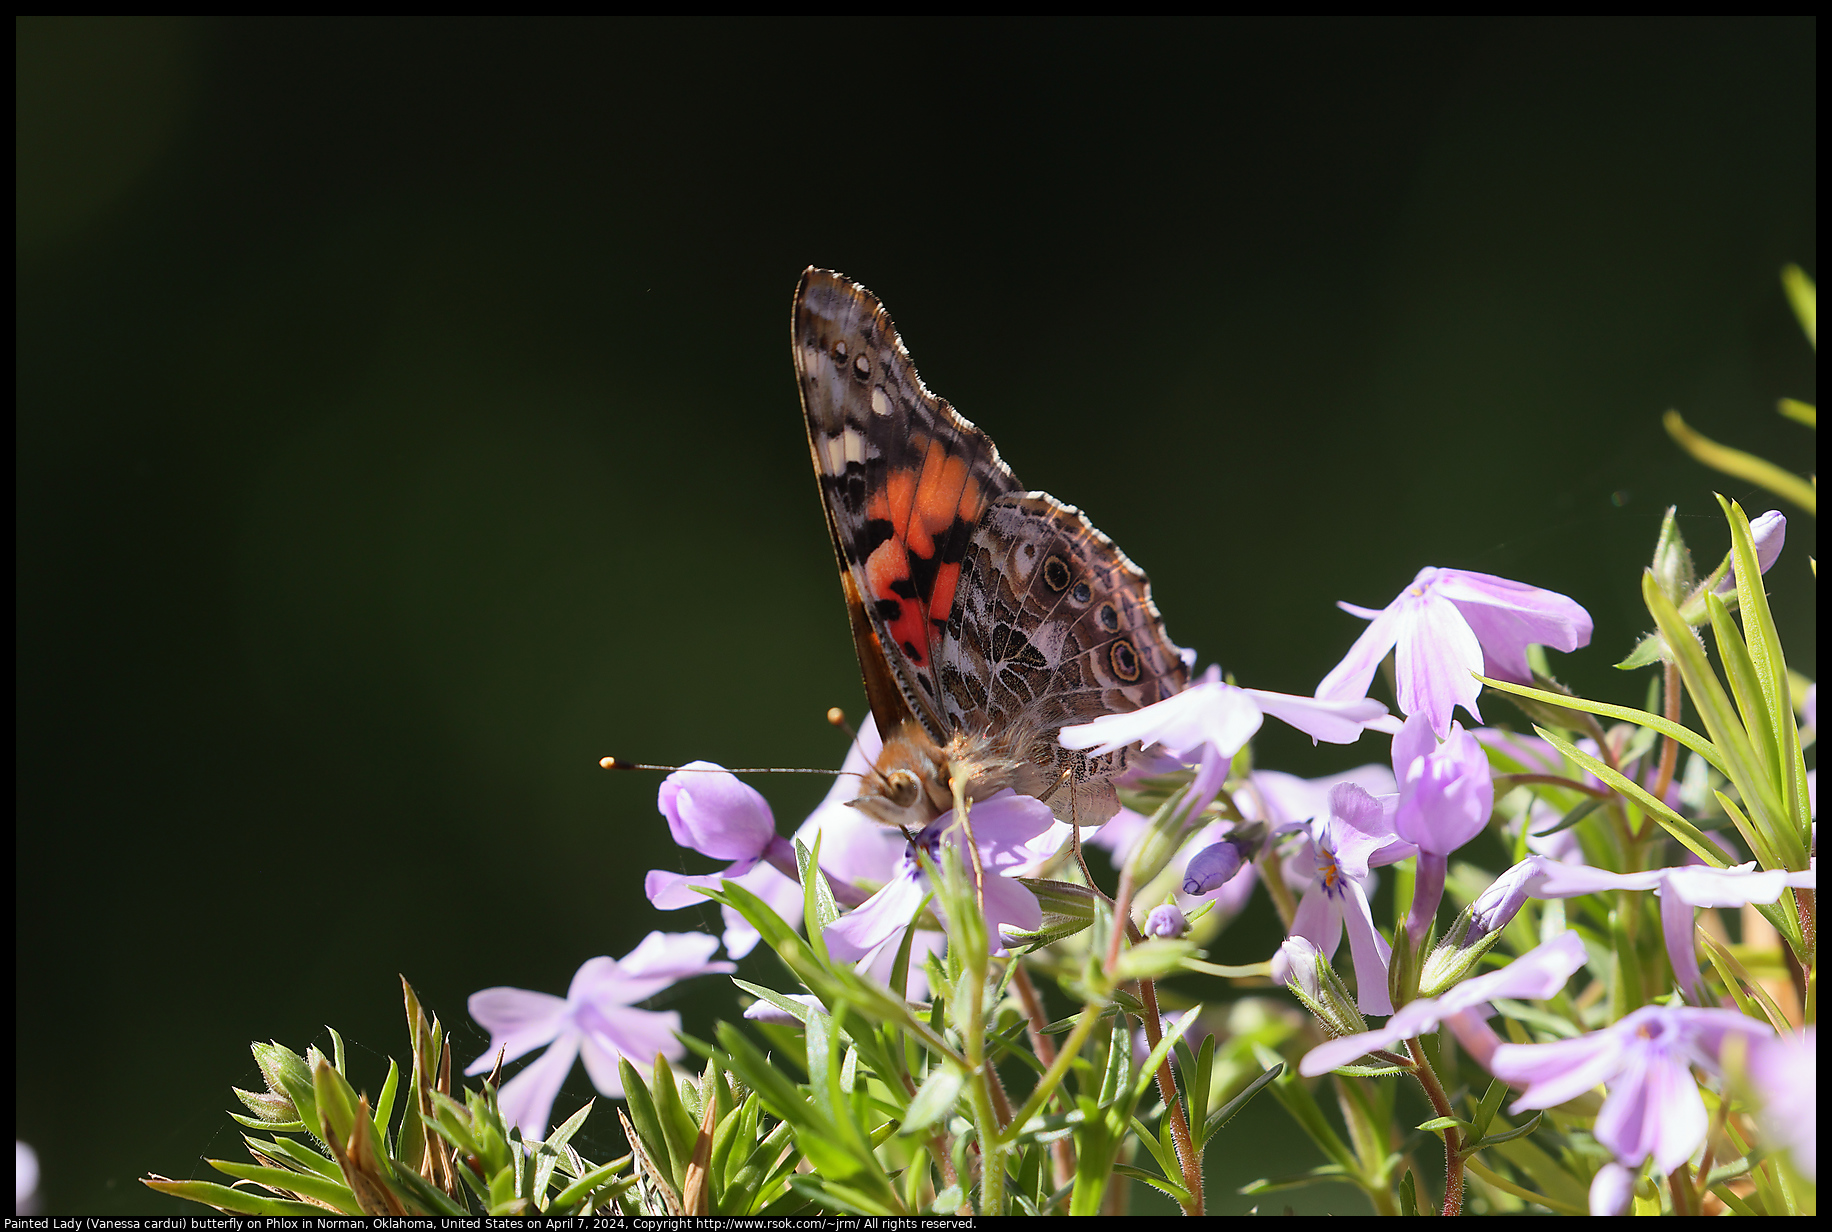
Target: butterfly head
{"type": "Point", "coordinates": [910, 786]}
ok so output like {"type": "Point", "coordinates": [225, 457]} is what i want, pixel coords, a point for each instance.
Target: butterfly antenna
{"type": "Point", "coordinates": [618, 763]}
{"type": "Point", "coordinates": [837, 717]}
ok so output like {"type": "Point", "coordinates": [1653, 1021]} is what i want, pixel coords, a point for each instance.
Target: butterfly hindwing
{"type": "Point", "coordinates": [905, 482]}
{"type": "Point", "coordinates": [1052, 624]}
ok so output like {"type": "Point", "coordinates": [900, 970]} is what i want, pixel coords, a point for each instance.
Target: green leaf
{"type": "Point", "coordinates": [240, 1201]}
{"type": "Point", "coordinates": [1687, 833]}
{"type": "Point", "coordinates": [1228, 1111]}
{"type": "Point", "coordinates": [1803, 298]}
{"type": "Point", "coordinates": [306, 1184]}
{"type": "Point", "coordinates": [1741, 465]}
{"type": "Point", "coordinates": [1437, 1125]}
{"type": "Point", "coordinates": [934, 1099]}
{"type": "Point", "coordinates": [1488, 1106]}
{"type": "Point", "coordinates": [819, 908]}
{"type": "Point", "coordinates": [1508, 1136]}
{"type": "Point", "coordinates": [1408, 1194]}
{"type": "Point", "coordinates": [1666, 727]}
{"type": "Point", "coordinates": [1799, 412]}
{"type": "Point", "coordinates": [1175, 1190]}
{"type": "Point", "coordinates": [642, 1113]}
{"type": "Point", "coordinates": [384, 1107]}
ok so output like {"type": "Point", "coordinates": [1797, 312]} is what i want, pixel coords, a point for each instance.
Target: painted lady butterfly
{"type": "Point", "coordinates": [986, 617]}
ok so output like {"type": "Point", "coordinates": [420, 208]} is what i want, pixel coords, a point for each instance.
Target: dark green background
{"type": "Point", "coordinates": [406, 421]}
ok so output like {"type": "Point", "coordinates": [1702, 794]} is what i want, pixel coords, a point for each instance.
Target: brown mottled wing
{"type": "Point", "coordinates": [904, 481]}
{"type": "Point", "coordinates": [1052, 625]}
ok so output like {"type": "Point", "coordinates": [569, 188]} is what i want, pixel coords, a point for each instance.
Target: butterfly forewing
{"type": "Point", "coordinates": [904, 481]}
{"type": "Point", "coordinates": [990, 615]}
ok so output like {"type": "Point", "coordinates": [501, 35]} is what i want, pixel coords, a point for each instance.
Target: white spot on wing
{"type": "Point", "coordinates": [880, 402]}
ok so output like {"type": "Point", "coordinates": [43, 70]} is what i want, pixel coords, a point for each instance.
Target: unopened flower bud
{"type": "Point", "coordinates": [1612, 1191]}
{"type": "Point", "coordinates": [765, 1011]}
{"type": "Point", "coordinates": [1496, 907]}
{"type": "Point", "coordinates": [1301, 966]}
{"type": "Point", "coordinates": [1166, 922]}
{"type": "Point", "coordinates": [1769, 532]}
{"type": "Point", "coordinates": [1214, 866]}
{"type": "Point", "coordinates": [1477, 929]}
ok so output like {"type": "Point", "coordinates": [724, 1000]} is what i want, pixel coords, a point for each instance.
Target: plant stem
{"type": "Point", "coordinates": [1274, 877]}
{"type": "Point", "coordinates": [1453, 1141]}
{"type": "Point", "coordinates": [1062, 1151]}
{"type": "Point", "coordinates": [1187, 1155]}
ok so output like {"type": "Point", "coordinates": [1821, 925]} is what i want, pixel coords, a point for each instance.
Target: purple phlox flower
{"type": "Point", "coordinates": [1042, 850]}
{"type": "Point", "coordinates": [713, 813]}
{"type": "Point", "coordinates": [1355, 834]}
{"type": "Point", "coordinates": [1612, 1190]}
{"type": "Point", "coordinates": [1447, 624]}
{"type": "Point", "coordinates": [1652, 1106]}
{"type": "Point", "coordinates": [1166, 921]}
{"type": "Point", "coordinates": [1681, 889]}
{"type": "Point", "coordinates": [1534, 976]}
{"type": "Point", "coordinates": [1784, 1072]}
{"type": "Point", "coordinates": [1002, 824]}
{"type": "Point", "coordinates": [1211, 721]}
{"type": "Point", "coordinates": [1769, 531]}
{"type": "Point", "coordinates": [1446, 792]}
{"type": "Point", "coordinates": [595, 1020]}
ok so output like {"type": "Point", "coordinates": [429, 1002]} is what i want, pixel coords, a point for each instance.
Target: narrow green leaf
{"type": "Point", "coordinates": [240, 1201]}
{"type": "Point", "coordinates": [1799, 412]}
{"type": "Point", "coordinates": [1803, 298]}
{"type": "Point", "coordinates": [384, 1106]}
{"type": "Point", "coordinates": [1489, 1104]}
{"type": "Point", "coordinates": [1739, 762]}
{"type": "Point", "coordinates": [1437, 1125]}
{"type": "Point", "coordinates": [1748, 690]}
{"type": "Point", "coordinates": [1175, 1190]}
{"type": "Point", "coordinates": [819, 908]}
{"type": "Point", "coordinates": [1741, 465]}
{"type": "Point", "coordinates": [1666, 727]}
{"type": "Point", "coordinates": [305, 1184]}
{"type": "Point", "coordinates": [1688, 834]}
{"type": "Point", "coordinates": [934, 1099]}
{"type": "Point", "coordinates": [1509, 1135]}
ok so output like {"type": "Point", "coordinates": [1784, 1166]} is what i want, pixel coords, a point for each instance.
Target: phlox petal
{"type": "Point", "coordinates": [858, 932]}
{"type": "Point", "coordinates": [714, 813]}
{"type": "Point", "coordinates": [1653, 1108]}
{"type": "Point", "coordinates": [1351, 677]}
{"type": "Point", "coordinates": [636, 1035]}
{"type": "Point", "coordinates": [1369, 950]}
{"type": "Point", "coordinates": [1559, 1071]}
{"type": "Point", "coordinates": [1333, 721]}
{"type": "Point", "coordinates": [527, 1099]}
{"type": "Point", "coordinates": [1435, 653]}
{"type": "Point", "coordinates": [518, 1020]}
{"type": "Point", "coordinates": [1507, 616]}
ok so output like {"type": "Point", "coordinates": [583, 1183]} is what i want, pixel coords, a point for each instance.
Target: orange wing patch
{"type": "Point", "coordinates": [922, 505]}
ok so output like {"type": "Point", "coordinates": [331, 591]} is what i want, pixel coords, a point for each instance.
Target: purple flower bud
{"type": "Point", "coordinates": [1213, 867]}
{"type": "Point", "coordinates": [1166, 922]}
{"type": "Point", "coordinates": [1770, 532]}
{"type": "Point", "coordinates": [1612, 1191]}
{"type": "Point", "coordinates": [1497, 906]}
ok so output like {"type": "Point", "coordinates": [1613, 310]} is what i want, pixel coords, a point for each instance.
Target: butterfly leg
{"type": "Point", "coordinates": [957, 783]}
